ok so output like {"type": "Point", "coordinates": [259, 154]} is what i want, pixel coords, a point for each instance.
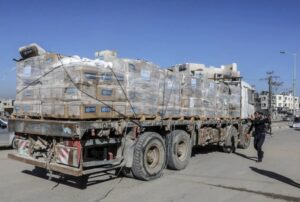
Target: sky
{"type": "Point", "coordinates": [250, 33]}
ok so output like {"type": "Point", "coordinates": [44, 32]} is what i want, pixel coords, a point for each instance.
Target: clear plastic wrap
{"type": "Point", "coordinates": [130, 87]}
{"type": "Point", "coordinates": [169, 97]}
{"type": "Point", "coordinates": [235, 101]}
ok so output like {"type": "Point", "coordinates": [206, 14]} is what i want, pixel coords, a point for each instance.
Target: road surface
{"type": "Point", "coordinates": [210, 176]}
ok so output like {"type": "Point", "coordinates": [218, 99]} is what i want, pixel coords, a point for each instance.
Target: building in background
{"type": "Point", "coordinates": [281, 103]}
{"type": "Point", "coordinates": [6, 107]}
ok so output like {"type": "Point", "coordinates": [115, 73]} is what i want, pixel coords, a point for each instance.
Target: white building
{"type": "Point", "coordinates": [6, 105]}
{"type": "Point", "coordinates": [280, 102]}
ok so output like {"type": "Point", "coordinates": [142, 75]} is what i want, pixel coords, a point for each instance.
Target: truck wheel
{"type": "Point", "coordinates": [149, 157]}
{"type": "Point", "coordinates": [14, 143]}
{"type": "Point", "coordinates": [231, 142]}
{"type": "Point", "coordinates": [178, 149]}
{"type": "Point", "coordinates": [244, 140]}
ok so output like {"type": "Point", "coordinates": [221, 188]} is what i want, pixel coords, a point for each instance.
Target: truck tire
{"type": "Point", "coordinates": [231, 141]}
{"type": "Point", "coordinates": [14, 143]}
{"type": "Point", "coordinates": [244, 140]}
{"type": "Point", "coordinates": [178, 149]}
{"type": "Point", "coordinates": [149, 157]}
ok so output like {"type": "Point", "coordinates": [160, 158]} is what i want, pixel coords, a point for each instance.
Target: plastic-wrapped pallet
{"type": "Point", "coordinates": [68, 92]}
{"type": "Point", "coordinates": [27, 108]}
{"type": "Point", "coordinates": [235, 101]}
{"type": "Point", "coordinates": [209, 91]}
{"type": "Point", "coordinates": [142, 87]}
{"type": "Point", "coordinates": [222, 101]}
{"type": "Point", "coordinates": [169, 100]}
{"type": "Point", "coordinates": [192, 96]}
{"type": "Point", "coordinates": [54, 109]}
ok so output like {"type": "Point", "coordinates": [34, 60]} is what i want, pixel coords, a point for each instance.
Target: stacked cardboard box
{"type": "Point", "coordinates": [169, 97]}
{"type": "Point", "coordinates": [235, 101]}
{"type": "Point", "coordinates": [54, 86]}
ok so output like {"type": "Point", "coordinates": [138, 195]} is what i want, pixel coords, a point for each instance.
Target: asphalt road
{"type": "Point", "coordinates": [210, 176]}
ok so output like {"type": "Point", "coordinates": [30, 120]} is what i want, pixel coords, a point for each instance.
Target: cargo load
{"type": "Point", "coordinates": [50, 85]}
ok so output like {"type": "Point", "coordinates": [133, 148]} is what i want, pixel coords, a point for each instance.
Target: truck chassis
{"type": "Point", "coordinates": [141, 148]}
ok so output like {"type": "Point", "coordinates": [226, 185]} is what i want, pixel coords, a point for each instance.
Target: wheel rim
{"type": "Point", "coordinates": [181, 150]}
{"type": "Point", "coordinates": [154, 157]}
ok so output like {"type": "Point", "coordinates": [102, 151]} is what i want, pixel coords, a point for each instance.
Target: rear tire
{"type": "Point", "coordinates": [14, 143]}
{"type": "Point", "coordinates": [178, 149]}
{"type": "Point", "coordinates": [149, 157]}
{"type": "Point", "coordinates": [231, 142]}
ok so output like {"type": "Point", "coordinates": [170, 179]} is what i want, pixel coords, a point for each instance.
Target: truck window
{"type": "Point", "coordinates": [251, 96]}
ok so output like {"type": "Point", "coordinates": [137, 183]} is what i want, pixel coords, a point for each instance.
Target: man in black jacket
{"type": "Point", "coordinates": [259, 124]}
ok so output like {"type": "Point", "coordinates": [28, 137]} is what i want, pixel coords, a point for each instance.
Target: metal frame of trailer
{"type": "Point", "coordinates": [78, 129]}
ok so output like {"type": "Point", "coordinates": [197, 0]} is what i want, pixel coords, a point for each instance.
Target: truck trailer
{"type": "Point", "coordinates": [78, 117]}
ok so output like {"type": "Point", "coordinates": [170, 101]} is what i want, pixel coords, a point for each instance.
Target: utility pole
{"type": "Point", "coordinates": [272, 84]}
{"type": "Point", "coordinates": [294, 76]}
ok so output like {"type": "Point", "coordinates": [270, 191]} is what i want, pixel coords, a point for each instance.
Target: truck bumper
{"type": "Point", "coordinates": [42, 164]}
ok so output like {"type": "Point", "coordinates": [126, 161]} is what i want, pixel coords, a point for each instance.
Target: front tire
{"type": "Point", "coordinates": [178, 149]}
{"type": "Point", "coordinates": [149, 156]}
{"type": "Point", "coordinates": [244, 140]}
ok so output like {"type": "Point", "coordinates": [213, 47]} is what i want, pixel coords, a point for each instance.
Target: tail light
{"type": "Point", "coordinates": [69, 153]}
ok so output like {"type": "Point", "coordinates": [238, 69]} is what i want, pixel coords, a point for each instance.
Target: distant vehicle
{"type": "Point", "coordinates": [288, 118]}
{"type": "Point", "coordinates": [7, 139]}
{"type": "Point", "coordinates": [296, 123]}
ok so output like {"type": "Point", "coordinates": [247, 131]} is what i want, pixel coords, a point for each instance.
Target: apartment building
{"type": "Point", "coordinates": [280, 102]}
{"type": "Point", "coordinates": [6, 106]}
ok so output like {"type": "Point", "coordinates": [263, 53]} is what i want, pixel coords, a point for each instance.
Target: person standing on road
{"type": "Point", "coordinates": [259, 124]}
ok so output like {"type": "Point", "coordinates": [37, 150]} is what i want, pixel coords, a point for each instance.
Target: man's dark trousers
{"type": "Point", "coordinates": [258, 143]}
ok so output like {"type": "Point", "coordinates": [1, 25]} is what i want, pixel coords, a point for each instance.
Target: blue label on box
{"type": "Point", "coordinates": [49, 61]}
{"type": "Point", "coordinates": [106, 77]}
{"type": "Point", "coordinates": [28, 93]}
{"type": "Point", "coordinates": [131, 67]}
{"type": "Point", "coordinates": [106, 92]}
{"type": "Point", "coordinates": [90, 75]}
{"type": "Point", "coordinates": [120, 77]}
{"type": "Point", "coordinates": [70, 91]}
{"type": "Point", "coordinates": [17, 108]}
{"type": "Point", "coordinates": [26, 108]}
{"type": "Point", "coordinates": [27, 71]}
{"type": "Point", "coordinates": [90, 109]}
{"type": "Point", "coordinates": [105, 109]}
{"type": "Point", "coordinates": [145, 74]}
{"type": "Point", "coordinates": [193, 82]}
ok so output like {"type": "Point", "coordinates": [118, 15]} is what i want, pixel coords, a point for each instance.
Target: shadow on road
{"type": "Point", "coordinates": [5, 147]}
{"type": "Point", "coordinates": [246, 157]}
{"type": "Point", "coordinates": [276, 176]}
{"type": "Point", "coordinates": [77, 182]}
{"type": "Point", "coordinates": [205, 150]}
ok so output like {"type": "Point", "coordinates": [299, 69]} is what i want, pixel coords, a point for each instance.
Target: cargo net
{"type": "Point", "coordinates": [55, 86]}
